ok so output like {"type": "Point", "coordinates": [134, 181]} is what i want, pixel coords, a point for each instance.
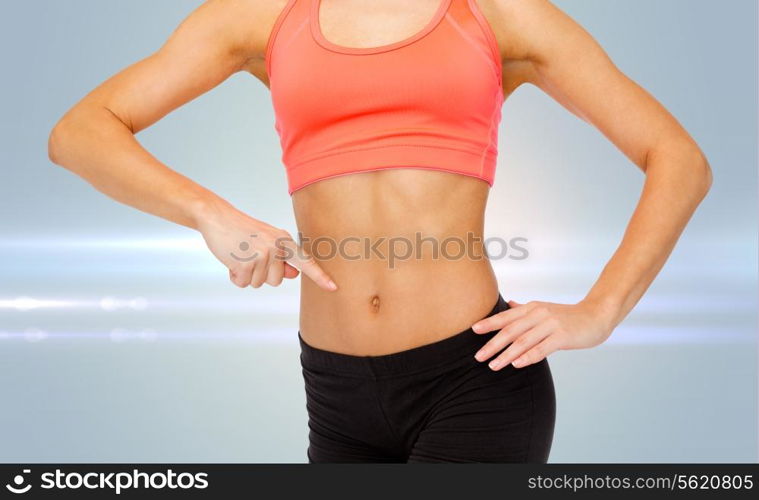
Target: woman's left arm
{"type": "Point", "coordinates": [548, 49]}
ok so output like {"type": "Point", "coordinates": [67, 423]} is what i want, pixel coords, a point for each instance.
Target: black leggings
{"type": "Point", "coordinates": [433, 403]}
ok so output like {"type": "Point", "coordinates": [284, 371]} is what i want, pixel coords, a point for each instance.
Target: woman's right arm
{"type": "Point", "coordinates": [96, 140]}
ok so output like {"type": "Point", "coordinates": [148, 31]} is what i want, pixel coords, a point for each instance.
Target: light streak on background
{"type": "Point", "coordinates": [122, 340]}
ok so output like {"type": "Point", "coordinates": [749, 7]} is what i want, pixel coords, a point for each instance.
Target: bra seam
{"type": "Point", "coordinates": [279, 20]}
{"type": "Point", "coordinates": [327, 155]}
{"type": "Point", "coordinates": [367, 51]}
{"type": "Point", "coordinates": [491, 128]}
{"type": "Point", "coordinates": [297, 187]}
{"type": "Point", "coordinates": [487, 30]}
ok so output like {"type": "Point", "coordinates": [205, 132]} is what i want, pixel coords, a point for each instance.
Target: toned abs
{"type": "Point", "coordinates": [406, 250]}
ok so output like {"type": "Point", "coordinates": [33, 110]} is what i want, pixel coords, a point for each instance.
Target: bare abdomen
{"type": "Point", "coordinates": [406, 251]}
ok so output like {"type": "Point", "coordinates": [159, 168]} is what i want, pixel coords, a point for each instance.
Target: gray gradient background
{"type": "Point", "coordinates": [121, 338]}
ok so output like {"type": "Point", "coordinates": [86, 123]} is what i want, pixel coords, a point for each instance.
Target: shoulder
{"type": "Point", "coordinates": [519, 24]}
{"type": "Point", "coordinates": [530, 32]}
{"type": "Point", "coordinates": [242, 25]}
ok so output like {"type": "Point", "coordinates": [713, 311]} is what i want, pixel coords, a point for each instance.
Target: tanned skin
{"type": "Point", "coordinates": [374, 308]}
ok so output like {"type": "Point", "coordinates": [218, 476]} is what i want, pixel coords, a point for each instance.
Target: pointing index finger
{"type": "Point", "coordinates": [308, 266]}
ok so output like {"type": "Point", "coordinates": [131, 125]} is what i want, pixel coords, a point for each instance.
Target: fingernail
{"type": "Point", "coordinates": [517, 363]}
{"type": "Point", "coordinates": [476, 327]}
{"type": "Point", "coordinates": [479, 355]}
{"type": "Point", "coordinates": [331, 284]}
{"type": "Point", "coordinates": [494, 364]}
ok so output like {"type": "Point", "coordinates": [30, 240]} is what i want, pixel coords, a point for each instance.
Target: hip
{"type": "Point", "coordinates": [431, 403]}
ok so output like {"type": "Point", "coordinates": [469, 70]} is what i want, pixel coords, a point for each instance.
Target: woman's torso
{"type": "Point", "coordinates": [403, 245]}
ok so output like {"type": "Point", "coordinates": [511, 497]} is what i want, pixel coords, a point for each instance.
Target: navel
{"type": "Point", "coordinates": [374, 303]}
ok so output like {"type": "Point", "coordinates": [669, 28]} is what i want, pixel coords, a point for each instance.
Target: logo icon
{"type": "Point", "coordinates": [244, 246]}
{"type": "Point", "coordinates": [18, 480]}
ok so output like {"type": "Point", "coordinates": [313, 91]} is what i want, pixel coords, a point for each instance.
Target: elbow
{"type": "Point", "coordinates": [685, 165]}
{"type": "Point", "coordinates": [56, 142]}
{"type": "Point", "coordinates": [65, 137]}
{"type": "Point", "coordinates": [702, 172]}
{"type": "Point", "coordinates": [695, 174]}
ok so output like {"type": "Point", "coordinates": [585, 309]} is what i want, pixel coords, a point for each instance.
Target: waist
{"type": "Point", "coordinates": [378, 311]}
{"type": "Point", "coordinates": [406, 250]}
{"type": "Point", "coordinates": [442, 354]}
{"type": "Point", "coordinates": [396, 292]}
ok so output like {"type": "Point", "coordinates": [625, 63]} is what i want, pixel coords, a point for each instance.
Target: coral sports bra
{"type": "Point", "coordinates": [431, 101]}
